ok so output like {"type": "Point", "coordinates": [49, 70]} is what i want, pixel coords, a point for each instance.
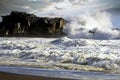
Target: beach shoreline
{"type": "Point", "coordinates": [26, 73]}
{"type": "Point", "coordinates": [11, 76]}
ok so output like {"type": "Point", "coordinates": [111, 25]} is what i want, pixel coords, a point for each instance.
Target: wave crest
{"type": "Point", "coordinates": [95, 26]}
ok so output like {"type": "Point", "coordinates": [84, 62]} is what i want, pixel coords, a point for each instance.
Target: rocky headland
{"type": "Point", "coordinates": [22, 24]}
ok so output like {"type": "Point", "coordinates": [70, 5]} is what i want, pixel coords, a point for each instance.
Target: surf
{"type": "Point", "coordinates": [90, 19]}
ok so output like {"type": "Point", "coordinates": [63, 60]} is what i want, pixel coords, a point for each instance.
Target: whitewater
{"type": "Point", "coordinates": [91, 44]}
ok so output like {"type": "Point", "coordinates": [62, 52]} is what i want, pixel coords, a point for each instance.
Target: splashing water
{"type": "Point", "coordinates": [86, 19]}
{"type": "Point", "coordinates": [96, 26]}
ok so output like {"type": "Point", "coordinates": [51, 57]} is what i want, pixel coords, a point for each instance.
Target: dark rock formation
{"type": "Point", "coordinates": [23, 24]}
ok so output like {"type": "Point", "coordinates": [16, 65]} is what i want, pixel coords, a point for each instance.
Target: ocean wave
{"type": "Point", "coordinates": [45, 52]}
{"type": "Point", "coordinates": [95, 26]}
{"type": "Point", "coordinates": [90, 19]}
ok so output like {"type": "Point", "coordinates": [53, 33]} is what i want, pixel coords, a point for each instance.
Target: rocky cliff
{"type": "Point", "coordinates": [23, 24]}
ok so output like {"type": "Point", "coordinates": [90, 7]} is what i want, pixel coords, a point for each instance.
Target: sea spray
{"type": "Point", "coordinates": [85, 18]}
{"type": "Point", "coordinates": [95, 26]}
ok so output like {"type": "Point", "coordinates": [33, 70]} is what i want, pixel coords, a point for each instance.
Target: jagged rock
{"type": "Point", "coordinates": [23, 24]}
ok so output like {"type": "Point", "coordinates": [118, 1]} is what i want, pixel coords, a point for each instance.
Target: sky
{"type": "Point", "coordinates": [35, 6]}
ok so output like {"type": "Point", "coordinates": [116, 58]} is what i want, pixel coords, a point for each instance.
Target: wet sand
{"type": "Point", "coordinates": [9, 76]}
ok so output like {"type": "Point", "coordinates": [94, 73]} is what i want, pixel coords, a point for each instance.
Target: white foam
{"type": "Point", "coordinates": [99, 24]}
{"type": "Point", "coordinates": [37, 51]}
{"type": "Point", "coordinates": [84, 16]}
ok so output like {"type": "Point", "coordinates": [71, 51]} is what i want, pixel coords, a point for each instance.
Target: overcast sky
{"type": "Point", "coordinates": [30, 6]}
{"type": "Point", "coordinates": [6, 6]}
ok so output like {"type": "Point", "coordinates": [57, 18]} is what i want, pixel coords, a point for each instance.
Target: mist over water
{"type": "Point", "coordinates": [86, 18]}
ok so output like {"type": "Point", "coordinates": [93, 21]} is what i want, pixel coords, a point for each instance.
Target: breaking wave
{"type": "Point", "coordinates": [85, 18]}
{"type": "Point", "coordinates": [95, 26]}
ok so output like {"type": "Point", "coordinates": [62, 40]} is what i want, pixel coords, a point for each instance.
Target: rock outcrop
{"type": "Point", "coordinates": [23, 24]}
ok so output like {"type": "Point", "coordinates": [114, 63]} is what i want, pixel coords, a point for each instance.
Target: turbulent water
{"type": "Point", "coordinates": [63, 53]}
{"type": "Point", "coordinates": [92, 42]}
{"type": "Point", "coordinates": [87, 18]}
